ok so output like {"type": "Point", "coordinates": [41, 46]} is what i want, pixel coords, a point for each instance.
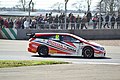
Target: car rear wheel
{"type": "Point", "coordinates": [88, 52]}
{"type": "Point", "coordinates": [43, 51]}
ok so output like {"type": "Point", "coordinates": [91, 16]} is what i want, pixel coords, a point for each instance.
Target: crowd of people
{"type": "Point", "coordinates": [108, 21]}
{"type": "Point", "coordinates": [58, 22]}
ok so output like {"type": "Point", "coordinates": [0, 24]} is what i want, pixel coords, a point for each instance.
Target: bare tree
{"type": "Point", "coordinates": [33, 6]}
{"type": "Point", "coordinates": [104, 5]}
{"type": "Point", "coordinates": [117, 5]}
{"type": "Point", "coordinates": [89, 4]}
{"type": "Point", "coordinates": [57, 6]}
{"type": "Point", "coordinates": [23, 4]}
{"type": "Point", "coordinates": [102, 8]}
{"type": "Point", "coordinates": [110, 5]}
{"type": "Point", "coordinates": [80, 5]}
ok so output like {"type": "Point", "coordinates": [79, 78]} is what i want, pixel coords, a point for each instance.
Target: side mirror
{"type": "Point", "coordinates": [30, 34]}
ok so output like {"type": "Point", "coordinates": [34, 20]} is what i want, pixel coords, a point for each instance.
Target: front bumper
{"type": "Point", "coordinates": [31, 50]}
{"type": "Point", "coordinates": [99, 53]}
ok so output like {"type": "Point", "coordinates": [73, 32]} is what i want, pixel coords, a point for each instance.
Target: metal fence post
{"type": "Point", "coordinates": [65, 12]}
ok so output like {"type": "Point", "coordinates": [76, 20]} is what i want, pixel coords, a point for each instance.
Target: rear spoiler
{"type": "Point", "coordinates": [30, 34]}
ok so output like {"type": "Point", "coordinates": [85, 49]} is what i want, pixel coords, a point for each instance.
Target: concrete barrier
{"type": "Point", "coordinates": [8, 33]}
{"type": "Point", "coordinates": [0, 34]}
{"type": "Point", "coordinates": [86, 34]}
{"type": "Point", "coordinates": [20, 34]}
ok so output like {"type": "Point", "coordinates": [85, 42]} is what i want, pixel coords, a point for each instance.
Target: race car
{"type": "Point", "coordinates": [46, 44]}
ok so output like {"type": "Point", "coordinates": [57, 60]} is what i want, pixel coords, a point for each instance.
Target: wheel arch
{"type": "Point", "coordinates": [42, 46]}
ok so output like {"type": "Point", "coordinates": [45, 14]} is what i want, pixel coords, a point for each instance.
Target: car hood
{"type": "Point", "coordinates": [95, 44]}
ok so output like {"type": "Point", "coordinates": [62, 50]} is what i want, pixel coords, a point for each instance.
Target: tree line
{"type": "Point", "coordinates": [107, 5]}
{"type": "Point", "coordinates": [110, 6]}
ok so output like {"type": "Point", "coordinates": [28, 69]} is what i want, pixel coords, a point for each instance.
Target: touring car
{"type": "Point", "coordinates": [64, 44]}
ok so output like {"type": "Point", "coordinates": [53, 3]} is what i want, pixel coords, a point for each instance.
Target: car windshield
{"type": "Point", "coordinates": [79, 38]}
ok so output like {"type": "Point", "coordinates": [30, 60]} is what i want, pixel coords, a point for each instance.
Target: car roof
{"type": "Point", "coordinates": [53, 33]}
{"type": "Point", "coordinates": [41, 34]}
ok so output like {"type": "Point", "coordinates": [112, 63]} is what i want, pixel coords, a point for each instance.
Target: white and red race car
{"type": "Point", "coordinates": [64, 44]}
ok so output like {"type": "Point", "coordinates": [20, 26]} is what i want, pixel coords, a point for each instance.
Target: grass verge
{"type": "Point", "coordinates": [19, 63]}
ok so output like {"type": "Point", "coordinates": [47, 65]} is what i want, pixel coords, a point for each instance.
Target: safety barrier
{"type": "Point", "coordinates": [8, 33]}
{"type": "Point", "coordinates": [95, 34]}
{"type": "Point", "coordinates": [0, 34]}
{"type": "Point", "coordinates": [20, 34]}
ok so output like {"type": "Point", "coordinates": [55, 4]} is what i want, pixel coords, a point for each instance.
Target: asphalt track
{"type": "Point", "coordinates": [17, 50]}
{"type": "Point", "coordinates": [107, 68]}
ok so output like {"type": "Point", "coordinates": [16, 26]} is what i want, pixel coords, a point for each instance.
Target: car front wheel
{"type": "Point", "coordinates": [88, 52]}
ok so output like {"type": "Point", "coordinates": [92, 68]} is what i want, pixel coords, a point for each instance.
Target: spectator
{"type": "Point", "coordinates": [101, 21]}
{"type": "Point", "coordinates": [72, 20]}
{"type": "Point", "coordinates": [27, 24]}
{"type": "Point", "coordinates": [50, 20]}
{"type": "Point", "coordinates": [69, 15]}
{"type": "Point", "coordinates": [78, 21]}
{"type": "Point", "coordinates": [46, 18]}
{"type": "Point", "coordinates": [89, 17]}
{"type": "Point", "coordinates": [67, 22]}
{"type": "Point", "coordinates": [1, 22]}
{"type": "Point", "coordinates": [10, 22]}
{"type": "Point", "coordinates": [22, 22]}
{"type": "Point", "coordinates": [95, 20]}
{"type": "Point", "coordinates": [106, 21]}
{"type": "Point", "coordinates": [18, 23]}
{"type": "Point", "coordinates": [56, 20]}
{"type": "Point", "coordinates": [46, 15]}
{"type": "Point", "coordinates": [83, 22]}
{"type": "Point", "coordinates": [14, 23]}
{"type": "Point", "coordinates": [6, 25]}
{"type": "Point", "coordinates": [62, 20]}
{"type": "Point", "coordinates": [33, 23]}
{"type": "Point", "coordinates": [112, 22]}
{"type": "Point", "coordinates": [118, 22]}
{"type": "Point", "coordinates": [46, 23]}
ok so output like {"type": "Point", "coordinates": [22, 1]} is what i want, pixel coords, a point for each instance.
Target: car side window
{"type": "Point", "coordinates": [69, 39]}
{"type": "Point", "coordinates": [55, 37]}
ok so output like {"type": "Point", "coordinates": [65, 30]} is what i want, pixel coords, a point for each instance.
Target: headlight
{"type": "Point", "coordinates": [100, 48]}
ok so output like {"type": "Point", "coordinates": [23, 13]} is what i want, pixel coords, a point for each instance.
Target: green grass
{"type": "Point", "coordinates": [19, 63]}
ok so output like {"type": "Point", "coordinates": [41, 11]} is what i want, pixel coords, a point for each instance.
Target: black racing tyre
{"type": "Point", "coordinates": [88, 52]}
{"type": "Point", "coordinates": [43, 51]}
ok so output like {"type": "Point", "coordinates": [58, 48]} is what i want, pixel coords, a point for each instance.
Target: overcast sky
{"type": "Point", "coordinates": [45, 4]}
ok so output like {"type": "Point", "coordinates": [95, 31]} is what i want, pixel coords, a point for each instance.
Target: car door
{"type": "Point", "coordinates": [56, 46]}
{"type": "Point", "coordinates": [73, 44]}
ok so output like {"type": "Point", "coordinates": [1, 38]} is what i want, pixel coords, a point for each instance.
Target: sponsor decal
{"type": "Point", "coordinates": [57, 45]}
{"type": "Point", "coordinates": [63, 47]}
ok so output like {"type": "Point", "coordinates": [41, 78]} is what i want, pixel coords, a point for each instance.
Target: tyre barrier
{"type": "Point", "coordinates": [8, 33]}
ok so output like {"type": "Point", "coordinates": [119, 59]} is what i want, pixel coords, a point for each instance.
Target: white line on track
{"type": "Point", "coordinates": [96, 63]}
